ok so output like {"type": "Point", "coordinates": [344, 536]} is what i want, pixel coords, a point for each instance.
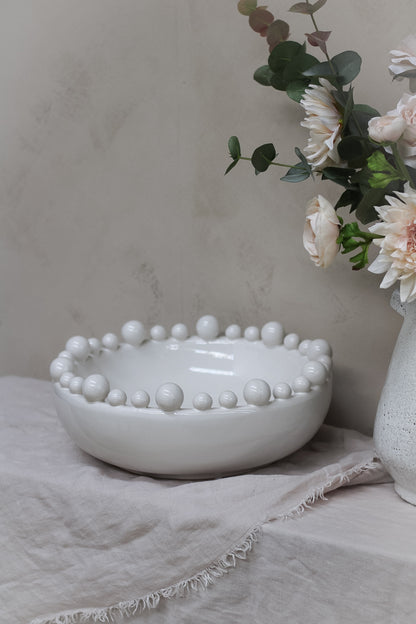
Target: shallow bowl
{"type": "Point", "coordinates": [204, 406]}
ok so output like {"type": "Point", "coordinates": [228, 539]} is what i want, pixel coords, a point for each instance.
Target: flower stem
{"type": "Point", "coordinates": [271, 162]}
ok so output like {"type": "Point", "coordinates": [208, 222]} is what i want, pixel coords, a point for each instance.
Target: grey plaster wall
{"type": "Point", "coordinates": [115, 116]}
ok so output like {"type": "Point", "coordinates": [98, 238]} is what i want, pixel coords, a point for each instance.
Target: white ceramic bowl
{"type": "Point", "coordinates": [195, 407]}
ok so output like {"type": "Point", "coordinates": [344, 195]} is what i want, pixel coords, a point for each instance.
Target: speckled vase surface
{"type": "Point", "coordinates": [395, 425]}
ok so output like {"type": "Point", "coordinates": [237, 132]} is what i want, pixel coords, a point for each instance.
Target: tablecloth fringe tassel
{"type": "Point", "coordinates": [211, 573]}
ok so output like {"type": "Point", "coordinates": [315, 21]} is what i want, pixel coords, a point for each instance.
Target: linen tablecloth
{"type": "Point", "coordinates": [85, 541]}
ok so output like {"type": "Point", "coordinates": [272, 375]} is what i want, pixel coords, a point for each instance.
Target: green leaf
{"type": "Point", "coordinates": [263, 156]}
{"type": "Point", "coordinates": [382, 172]}
{"type": "Point", "coordinates": [301, 171]}
{"type": "Point", "coordinates": [355, 150]}
{"type": "Point", "coordinates": [263, 75]}
{"type": "Point", "coordinates": [348, 65]}
{"type": "Point", "coordinates": [365, 211]}
{"type": "Point", "coordinates": [339, 175]}
{"type": "Point", "coordinates": [348, 108]}
{"type": "Point", "coordinates": [295, 68]}
{"type": "Point", "coordinates": [298, 173]}
{"type": "Point", "coordinates": [234, 147]}
{"type": "Point", "coordinates": [296, 89]}
{"type": "Point", "coordinates": [350, 197]}
{"type": "Point", "coordinates": [246, 7]}
{"type": "Point", "coordinates": [367, 110]}
{"type": "Point", "coordinates": [233, 164]}
{"type": "Point", "coordinates": [282, 54]}
{"type": "Point", "coordinates": [320, 70]}
{"type": "Point", "coordinates": [344, 67]}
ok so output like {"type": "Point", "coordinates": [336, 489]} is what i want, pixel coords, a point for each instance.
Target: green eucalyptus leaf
{"type": "Point", "coordinates": [283, 54]}
{"type": "Point", "coordinates": [296, 89]}
{"type": "Point", "coordinates": [263, 156]}
{"type": "Point", "coordinates": [278, 82]}
{"type": "Point", "coordinates": [320, 70]}
{"type": "Point", "coordinates": [263, 75]}
{"type": "Point", "coordinates": [367, 110]}
{"type": "Point", "coordinates": [234, 147]}
{"type": "Point", "coordinates": [295, 68]}
{"type": "Point", "coordinates": [298, 173]}
{"type": "Point", "coordinates": [233, 164]}
{"type": "Point", "coordinates": [348, 65]}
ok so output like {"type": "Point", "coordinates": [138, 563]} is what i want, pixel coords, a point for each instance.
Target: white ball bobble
{"type": "Point", "coordinates": [110, 341]}
{"type": "Point", "coordinates": [301, 384]}
{"type": "Point", "coordinates": [140, 399]}
{"type": "Point", "coordinates": [252, 333]}
{"type": "Point", "coordinates": [207, 327]}
{"type": "Point", "coordinates": [291, 341]}
{"type": "Point", "coordinates": [272, 334]}
{"type": "Point", "coordinates": [66, 354]}
{"type": "Point", "coordinates": [158, 332]}
{"type": "Point", "coordinates": [304, 346]}
{"type": "Point", "coordinates": [75, 385]}
{"type": "Point", "coordinates": [202, 401]}
{"type": "Point", "coordinates": [228, 399]}
{"type": "Point", "coordinates": [282, 390]}
{"type": "Point", "coordinates": [117, 397]}
{"type": "Point", "coordinates": [169, 397]}
{"type": "Point", "coordinates": [316, 372]}
{"type": "Point", "coordinates": [179, 331]}
{"type": "Point", "coordinates": [78, 346]}
{"type": "Point", "coordinates": [133, 332]}
{"type": "Point", "coordinates": [317, 348]}
{"type": "Point", "coordinates": [59, 366]}
{"type": "Point", "coordinates": [233, 332]}
{"type": "Point", "coordinates": [95, 345]}
{"type": "Point", "coordinates": [65, 379]}
{"type": "Point", "coordinates": [95, 388]}
{"type": "Point", "coordinates": [257, 392]}
{"type": "Point", "coordinates": [326, 360]}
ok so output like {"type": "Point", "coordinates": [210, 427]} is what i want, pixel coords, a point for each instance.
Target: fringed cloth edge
{"type": "Point", "coordinates": [209, 574]}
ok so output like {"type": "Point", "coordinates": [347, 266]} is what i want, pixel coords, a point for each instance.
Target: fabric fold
{"type": "Point", "coordinates": [120, 543]}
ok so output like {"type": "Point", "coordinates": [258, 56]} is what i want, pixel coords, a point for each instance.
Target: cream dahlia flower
{"type": "Point", "coordinates": [404, 58]}
{"type": "Point", "coordinates": [397, 257]}
{"type": "Point", "coordinates": [324, 123]}
{"type": "Point", "coordinates": [321, 231]}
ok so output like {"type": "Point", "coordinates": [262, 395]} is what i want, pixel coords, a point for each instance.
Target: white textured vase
{"type": "Point", "coordinates": [395, 425]}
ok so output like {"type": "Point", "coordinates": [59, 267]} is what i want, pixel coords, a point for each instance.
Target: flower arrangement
{"type": "Point", "coordinates": [372, 157]}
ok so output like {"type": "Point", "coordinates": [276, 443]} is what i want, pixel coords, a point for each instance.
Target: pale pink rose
{"type": "Point", "coordinates": [321, 231]}
{"type": "Point", "coordinates": [397, 257]}
{"type": "Point", "coordinates": [404, 58]}
{"type": "Point", "coordinates": [406, 108]}
{"type": "Point", "coordinates": [386, 128]}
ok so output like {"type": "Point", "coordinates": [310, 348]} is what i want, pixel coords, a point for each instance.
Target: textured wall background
{"type": "Point", "coordinates": [114, 120]}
